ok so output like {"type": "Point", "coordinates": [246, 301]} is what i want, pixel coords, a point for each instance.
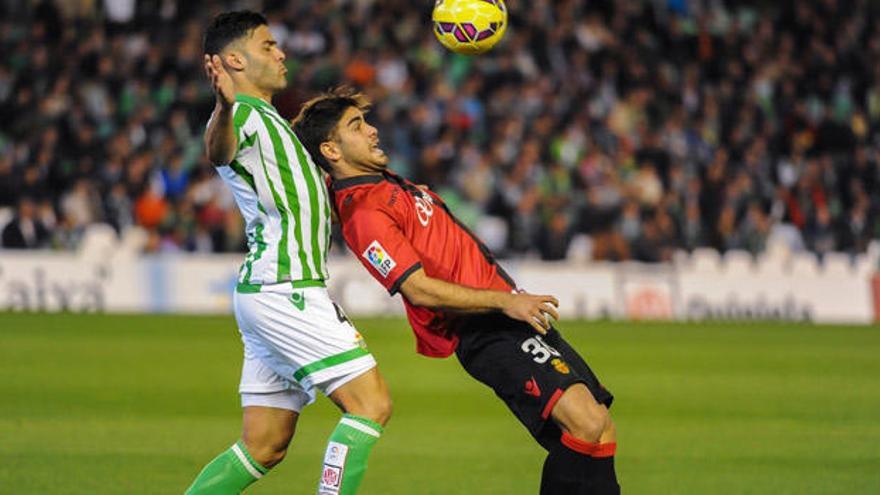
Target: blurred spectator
{"type": "Point", "coordinates": [25, 230]}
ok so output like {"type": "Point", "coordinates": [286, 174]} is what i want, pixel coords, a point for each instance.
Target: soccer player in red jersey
{"type": "Point", "coordinates": [459, 300]}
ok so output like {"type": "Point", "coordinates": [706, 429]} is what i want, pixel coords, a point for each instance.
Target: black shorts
{"type": "Point", "coordinates": [528, 371]}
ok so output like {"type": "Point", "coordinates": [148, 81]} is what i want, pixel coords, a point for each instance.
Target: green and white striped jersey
{"type": "Point", "coordinates": [282, 197]}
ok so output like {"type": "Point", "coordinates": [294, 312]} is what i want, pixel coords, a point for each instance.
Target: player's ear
{"type": "Point", "coordinates": [233, 59]}
{"type": "Point", "coordinates": [331, 151]}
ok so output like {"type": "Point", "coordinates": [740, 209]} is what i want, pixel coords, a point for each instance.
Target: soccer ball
{"type": "Point", "coordinates": [469, 27]}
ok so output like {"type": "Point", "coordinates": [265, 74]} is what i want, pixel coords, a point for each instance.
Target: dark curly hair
{"type": "Point", "coordinates": [319, 116]}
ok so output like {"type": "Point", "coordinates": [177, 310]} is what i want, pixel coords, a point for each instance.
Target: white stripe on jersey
{"type": "Point", "coordinates": [259, 206]}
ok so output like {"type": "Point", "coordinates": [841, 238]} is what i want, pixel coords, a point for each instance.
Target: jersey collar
{"type": "Point", "coordinates": [357, 180]}
{"type": "Point", "coordinates": [252, 100]}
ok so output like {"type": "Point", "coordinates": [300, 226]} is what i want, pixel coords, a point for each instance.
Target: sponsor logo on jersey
{"type": "Point", "coordinates": [379, 259]}
{"type": "Point", "coordinates": [298, 300]}
{"type": "Point", "coordinates": [424, 208]}
{"type": "Point", "coordinates": [532, 388]}
{"type": "Point", "coordinates": [560, 366]}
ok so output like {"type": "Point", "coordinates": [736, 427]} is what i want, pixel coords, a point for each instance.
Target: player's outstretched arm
{"type": "Point", "coordinates": [536, 310]}
{"type": "Point", "coordinates": [220, 139]}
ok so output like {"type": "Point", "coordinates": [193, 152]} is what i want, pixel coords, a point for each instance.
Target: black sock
{"type": "Point", "coordinates": [601, 478]}
{"type": "Point", "coordinates": [575, 467]}
{"type": "Point", "coordinates": [563, 472]}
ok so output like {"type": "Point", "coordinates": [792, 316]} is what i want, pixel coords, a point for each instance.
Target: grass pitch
{"type": "Point", "coordinates": [138, 404]}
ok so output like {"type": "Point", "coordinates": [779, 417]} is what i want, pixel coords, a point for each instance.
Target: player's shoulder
{"type": "Point", "coordinates": [243, 112]}
{"type": "Point", "coordinates": [359, 196]}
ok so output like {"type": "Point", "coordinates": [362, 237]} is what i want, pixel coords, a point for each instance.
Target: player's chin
{"type": "Point", "coordinates": [379, 156]}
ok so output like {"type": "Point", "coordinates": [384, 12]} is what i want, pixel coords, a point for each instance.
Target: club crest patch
{"type": "Point", "coordinates": [334, 464]}
{"type": "Point", "coordinates": [560, 365]}
{"type": "Point", "coordinates": [379, 259]}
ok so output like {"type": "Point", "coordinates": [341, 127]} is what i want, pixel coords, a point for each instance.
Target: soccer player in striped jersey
{"type": "Point", "coordinates": [295, 338]}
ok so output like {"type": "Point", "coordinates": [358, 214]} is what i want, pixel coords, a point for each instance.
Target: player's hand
{"type": "Point", "coordinates": [221, 82]}
{"type": "Point", "coordinates": [535, 310]}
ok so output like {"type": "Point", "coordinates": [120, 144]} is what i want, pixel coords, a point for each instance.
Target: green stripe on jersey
{"type": "Point", "coordinates": [290, 194]}
{"type": "Point", "coordinates": [282, 212]}
{"type": "Point", "coordinates": [248, 142]}
{"type": "Point", "coordinates": [241, 115]}
{"type": "Point", "coordinates": [317, 254]}
{"type": "Point", "coordinates": [327, 362]}
{"type": "Point", "coordinates": [261, 246]}
{"type": "Point", "coordinates": [318, 201]}
{"type": "Point", "coordinates": [244, 174]}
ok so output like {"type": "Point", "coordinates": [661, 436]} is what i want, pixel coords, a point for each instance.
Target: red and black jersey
{"type": "Point", "coordinates": [394, 228]}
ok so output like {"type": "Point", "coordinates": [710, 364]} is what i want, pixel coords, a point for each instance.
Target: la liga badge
{"type": "Point", "coordinates": [379, 259]}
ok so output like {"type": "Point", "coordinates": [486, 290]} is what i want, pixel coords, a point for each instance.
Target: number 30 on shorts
{"type": "Point", "coordinates": [539, 349]}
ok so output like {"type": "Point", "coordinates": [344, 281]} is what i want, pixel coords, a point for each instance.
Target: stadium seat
{"type": "Point", "coordinates": [738, 262]}
{"type": "Point", "coordinates": [837, 264]}
{"type": "Point", "coordinates": [777, 248]}
{"type": "Point", "coordinates": [804, 263]}
{"type": "Point", "coordinates": [705, 259]}
{"type": "Point", "coordinates": [681, 258]}
{"type": "Point", "coordinates": [581, 249]}
{"type": "Point", "coordinates": [99, 242]}
{"type": "Point", "coordinates": [133, 241]}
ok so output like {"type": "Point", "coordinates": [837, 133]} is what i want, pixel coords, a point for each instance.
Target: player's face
{"type": "Point", "coordinates": [265, 61]}
{"type": "Point", "coordinates": [358, 142]}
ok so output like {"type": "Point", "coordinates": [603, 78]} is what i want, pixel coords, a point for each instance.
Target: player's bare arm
{"type": "Point", "coordinates": [536, 310]}
{"type": "Point", "coordinates": [220, 139]}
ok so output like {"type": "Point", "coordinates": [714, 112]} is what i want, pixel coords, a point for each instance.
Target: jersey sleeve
{"type": "Point", "coordinates": [377, 241]}
{"type": "Point", "coordinates": [242, 124]}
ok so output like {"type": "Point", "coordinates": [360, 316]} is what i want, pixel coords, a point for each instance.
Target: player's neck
{"type": "Point", "coordinates": [350, 173]}
{"type": "Point", "coordinates": [245, 87]}
{"type": "Point", "coordinates": [346, 171]}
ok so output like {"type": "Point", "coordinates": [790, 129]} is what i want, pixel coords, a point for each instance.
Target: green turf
{"type": "Point", "coordinates": [134, 404]}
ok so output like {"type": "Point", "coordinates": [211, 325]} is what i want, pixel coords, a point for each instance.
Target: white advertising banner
{"type": "Point", "coordinates": [761, 295]}
{"type": "Point", "coordinates": [47, 281]}
{"type": "Point", "coordinates": [66, 282]}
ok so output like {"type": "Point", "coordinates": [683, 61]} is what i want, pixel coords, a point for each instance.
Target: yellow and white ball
{"type": "Point", "coordinates": [469, 27]}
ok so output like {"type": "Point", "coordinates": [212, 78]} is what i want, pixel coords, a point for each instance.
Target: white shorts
{"type": "Point", "coordinates": [295, 340]}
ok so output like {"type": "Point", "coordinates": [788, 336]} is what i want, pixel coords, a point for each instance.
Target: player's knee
{"type": "Point", "coordinates": [380, 410]}
{"type": "Point", "coordinates": [267, 453]}
{"type": "Point", "coordinates": [268, 448]}
{"type": "Point", "coordinates": [610, 433]}
{"type": "Point", "coordinates": [375, 408]}
{"type": "Point", "coordinates": [271, 456]}
{"type": "Point", "coordinates": [588, 423]}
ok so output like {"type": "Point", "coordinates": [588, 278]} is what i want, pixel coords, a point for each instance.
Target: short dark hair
{"type": "Point", "coordinates": [319, 116]}
{"type": "Point", "coordinates": [230, 26]}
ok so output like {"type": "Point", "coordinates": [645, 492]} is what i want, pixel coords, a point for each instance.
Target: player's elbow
{"type": "Point", "coordinates": [219, 157]}
{"type": "Point", "coordinates": [419, 297]}
{"type": "Point", "coordinates": [218, 152]}
{"type": "Point", "coordinates": [416, 290]}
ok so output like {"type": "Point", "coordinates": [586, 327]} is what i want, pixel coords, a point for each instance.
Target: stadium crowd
{"type": "Point", "coordinates": [648, 126]}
